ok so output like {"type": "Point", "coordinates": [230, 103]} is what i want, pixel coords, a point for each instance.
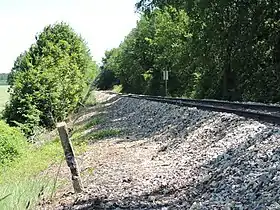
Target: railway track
{"type": "Point", "coordinates": [261, 112]}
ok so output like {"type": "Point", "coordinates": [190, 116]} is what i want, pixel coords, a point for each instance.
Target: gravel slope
{"type": "Point", "coordinates": [172, 157]}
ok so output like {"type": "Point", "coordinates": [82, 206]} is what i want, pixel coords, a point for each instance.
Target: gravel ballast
{"type": "Point", "coordinates": [172, 157]}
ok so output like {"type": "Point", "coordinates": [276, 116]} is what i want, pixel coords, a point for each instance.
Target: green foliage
{"type": "Point", "coordinates": [49, 80]}
{"type": "Point", "coordinates": [34, 159]}
{"type": "Point", "coordinates": [24, 181]}
{"type": "Point", "coordinates": [12, 143]}
{"type": "Point", "coordinates": [80, 133]}
{"type": "Point", "coordinates": [93, 122]}
{"type": "Point", "coordinates": [234, 47]}
{"type": "Point", "coordinates": [117, 88]}
{"type": "Point", "coordinates": [101, 134]}
{"type": "Point", "coordinates": [156, 44]}
{"type": "Point", "coordinates": [90, 99]}
{"type": "Point", "coordinates": [22, 194]}
{"type": "Point", "coordinates": [105, 80]}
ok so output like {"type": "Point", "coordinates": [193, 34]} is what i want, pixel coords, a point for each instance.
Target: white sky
{"type": "Point", "coordinates": [102, 23]}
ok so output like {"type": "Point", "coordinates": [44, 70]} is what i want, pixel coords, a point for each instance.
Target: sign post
{"type": "Point", "coordinates": [70, 156]}
{"type": "Point", "coordinates": [165, 78]}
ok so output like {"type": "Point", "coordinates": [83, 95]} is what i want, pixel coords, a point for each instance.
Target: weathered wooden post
{"type": "Point", "coordinates": [70, 156]}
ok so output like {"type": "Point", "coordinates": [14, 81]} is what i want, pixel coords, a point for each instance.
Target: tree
{"type": "Point", "coordinates": [156, 44]}
{"type": "Point", "coordinates": [49, 80]}
{"type": "Point", "coordinates": [106, 78]}
{"type": "Point", "coordinates": [234, 48]}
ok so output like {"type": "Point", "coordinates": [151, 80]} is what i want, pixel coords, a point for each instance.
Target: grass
{"type": "Point", "coordinates": [91, 100]}
{"type": "Point", "coordinates": [23, 194]}
{"type": "Point", "coordinates": [117, 88]}
{"type": "Point", "coordinates": [34, 160]}
{"type": "Point", "coordinates": [4, 95]}
{"type": "Point", "coordinates": [79, 136]}
{"type": "Point", "coordinates": [23, 182]}
{"type": "Point", "coordinates": [78, 131]}
{"type": "Point", "coordinates": [93, 122]}
{"type": "Point", "coordinates": [101, 134]}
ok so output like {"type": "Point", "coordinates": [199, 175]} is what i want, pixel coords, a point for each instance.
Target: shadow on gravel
{"type": "Point", "coordinates": [129, 121]}
{"type": "Point", "coordinates": [111, 100]}
{"type": "Point", "coordinates": [245, 177]}
{"type": "Point", "coordinates": [87, 113]}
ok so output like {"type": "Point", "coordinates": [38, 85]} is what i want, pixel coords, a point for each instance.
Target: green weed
{"type": "Point", "coordinates": [22, 182]}
{"type": "Point", "coordinates": [78, 131]}
{"type": "Point", "coordinates": [91, 100]}
{"type": "Point", "coordinates": [24, 194]}
{"type": "Point", "coordinates": [12, 143]}
{"type": "Point", "coordinates": [101, 134]}
{"type": "Point", "coordinates": [117, 88]}
{"type": "Point", "coordinates": [34, 160]}
{"type": "Point", "coordinates": [93, 122]}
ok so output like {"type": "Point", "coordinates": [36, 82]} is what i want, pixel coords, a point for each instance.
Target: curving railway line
{"type": "Point", "coordinates": [262, 112]}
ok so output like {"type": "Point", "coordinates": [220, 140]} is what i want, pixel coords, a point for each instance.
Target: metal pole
{"type": "Point", "coordinates": [165, 78]}
{"type": "Point", "coordinates": [165, 87]}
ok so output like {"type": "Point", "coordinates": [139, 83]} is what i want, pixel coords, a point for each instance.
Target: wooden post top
{"type": "Point", "coordinates": [70, 156]}
{"type": "Point", "coordinates": [60, 124]}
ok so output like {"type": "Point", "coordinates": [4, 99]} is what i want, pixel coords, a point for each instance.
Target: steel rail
{"type": "Point", "coordinates": [255, 111]}
{"type": "Point", "coordinates": [232, 104]}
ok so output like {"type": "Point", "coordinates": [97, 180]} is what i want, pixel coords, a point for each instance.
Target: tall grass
{"type": "Point", "coordinates": [34, 160]}
{"type": "Point", "coordinates": [24, 194]}
{"type": "Point", "coordinates": [117, 88]}
{"type": "Point", "coordinates": [91, 100]}
{"type": "Point", "coordinates": [22, 182]}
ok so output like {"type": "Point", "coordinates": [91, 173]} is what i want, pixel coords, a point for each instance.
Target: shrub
{"type": "Point", "coordinates": [12, 143]}
{"type": "Point", "coordinates": [49, 80]}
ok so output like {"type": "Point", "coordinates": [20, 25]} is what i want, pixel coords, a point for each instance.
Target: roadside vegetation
{"type": "Point", "coordinates": [222, 50]}
{"type": "Point", "coordinates": [50, 80]}
{"type": "Point", "coordinates": [25, 178]}
{"type": "Point", "coordinates": [48, 83]}
{"type": "Point", "coordinates": [23, 181]}
{"type": "Point", "coordinates": [212, 49]}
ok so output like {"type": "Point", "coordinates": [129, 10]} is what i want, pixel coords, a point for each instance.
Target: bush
{"type": "Point", "coordinates": [50, 80]}
{"type": "Point", "coordinates": [12, 143]}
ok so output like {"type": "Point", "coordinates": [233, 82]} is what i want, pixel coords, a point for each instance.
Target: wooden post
{"type": "Point", "coordinates": [70, 156]}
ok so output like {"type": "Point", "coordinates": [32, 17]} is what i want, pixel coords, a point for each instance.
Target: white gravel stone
{"type": "Point", "coordinates": [173, 157]}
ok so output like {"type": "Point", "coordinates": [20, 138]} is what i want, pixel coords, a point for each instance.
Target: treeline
{"type": "Point", "coordinates": [221, 49]}
{"type": "Point", "coordinates": [49, 80]}
{"type": "Point", "coordinates": [3, 78]}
